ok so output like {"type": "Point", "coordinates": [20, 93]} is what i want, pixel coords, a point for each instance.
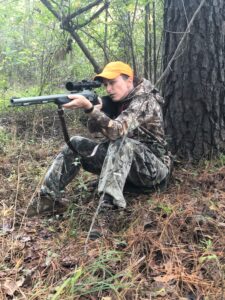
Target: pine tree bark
{"type": "Point", "coordinates": [194, 89]}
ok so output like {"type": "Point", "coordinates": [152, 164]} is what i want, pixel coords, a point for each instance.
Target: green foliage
{"type": "Point", "coordinates": [221, 160]}
{"type": "Point", "coordinates": [68, 284]}
{"type": "Point", "coordinates": [4, 138]}
{"type": "Point", "coordinates": [34, 47]}
{"type": "Point", "coordinates": [202, 259]}
{"type": "Point", "coordinates": [208, 255]}
{"type": "Point", "coordinates": [98, 276]}
{"type": "Point", "coordinates": [166, 208]}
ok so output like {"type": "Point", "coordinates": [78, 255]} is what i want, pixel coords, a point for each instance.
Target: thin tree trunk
{"type": "Point", "coordinates": [146, 46]}
{"type": "Point", "coordinates": [106, 36]}
{"type": "Point", "coordinates": [154, 42]}
{"type": "Point", "coordinates": [150, 47]}
{"type": "Point", "coordinates": [85, 50]}
{"type": "Point", "coordinates": [132, 46]}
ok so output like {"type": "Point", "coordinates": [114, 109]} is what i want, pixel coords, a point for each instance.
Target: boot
{"type": "Point", "coordinates": [45, 204]}
{"type": "Point", "coordinates": [101, 226]}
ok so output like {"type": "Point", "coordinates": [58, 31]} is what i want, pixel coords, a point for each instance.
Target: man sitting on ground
{"type": "Point", "coordinates": [134, 149]}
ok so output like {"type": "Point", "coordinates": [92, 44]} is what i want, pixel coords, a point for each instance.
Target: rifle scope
{"type": "Point", "coordinates": [82, 85]}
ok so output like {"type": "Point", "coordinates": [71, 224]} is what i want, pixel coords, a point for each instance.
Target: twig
{"type": "Point", "coordinates": [93, 222]}
{"type": "Point", "coordinates": [185, 12]}
{"type": "Point", "coordinates": [31, 199]}
{"type": "Point", "coordinates": [17, 188]}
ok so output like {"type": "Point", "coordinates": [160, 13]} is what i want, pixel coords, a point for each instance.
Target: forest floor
{"type": "Point", "coordinates": [165, 245]}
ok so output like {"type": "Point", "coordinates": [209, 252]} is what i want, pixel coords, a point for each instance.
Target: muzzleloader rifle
{"type": "Point", "coordinates": [84, 88]}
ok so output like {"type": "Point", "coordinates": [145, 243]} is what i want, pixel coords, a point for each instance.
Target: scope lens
{"type": "Point", "coordinates": [69, 86]}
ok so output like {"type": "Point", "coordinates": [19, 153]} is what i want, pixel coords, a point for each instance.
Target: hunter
{"type": "Point", "coordinates": [134, 149]}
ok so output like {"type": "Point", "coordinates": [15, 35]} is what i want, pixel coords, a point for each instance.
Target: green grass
{"type": "Point", "coordinates": [5, 139]}
{"type": "Point", "coordinates": [97, 277]}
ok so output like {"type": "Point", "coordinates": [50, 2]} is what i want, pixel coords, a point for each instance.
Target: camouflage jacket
{"type": "Point", "coordinates": [139, 116]}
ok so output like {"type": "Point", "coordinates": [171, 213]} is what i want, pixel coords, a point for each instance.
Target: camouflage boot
{"type": "Point", "coordinates": [45, 204]}
{"type": "Point", "coordinates": [101, 226]}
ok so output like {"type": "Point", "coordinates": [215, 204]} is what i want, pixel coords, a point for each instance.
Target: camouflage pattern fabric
{"type": "Point", "coordinates": [134, 151]}
{"type": "Point", "coordinates": [131, 161]}
{"type": "Point", "coordinates": [141, 120]}
{"type": "Point", "coordinates": [67, 164]}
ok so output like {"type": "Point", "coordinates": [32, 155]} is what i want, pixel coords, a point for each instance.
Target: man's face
{"type": "Point", "coordinates": [119, 87]}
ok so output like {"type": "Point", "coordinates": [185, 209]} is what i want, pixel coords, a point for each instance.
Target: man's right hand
{"type": "Point", "coordinates": [78, 101]}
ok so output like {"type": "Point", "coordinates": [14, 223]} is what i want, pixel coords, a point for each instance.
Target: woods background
{"type": "Point", "coordinates": [180, 46]}
{"type": "Point", "coordinates": [45, 43]}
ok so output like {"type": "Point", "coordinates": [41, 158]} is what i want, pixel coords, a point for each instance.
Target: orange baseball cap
{"type": "Point", "coordinates": [114, 69]}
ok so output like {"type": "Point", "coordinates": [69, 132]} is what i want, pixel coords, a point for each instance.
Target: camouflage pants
{"type": "Point", "coordinates": [116, 162]}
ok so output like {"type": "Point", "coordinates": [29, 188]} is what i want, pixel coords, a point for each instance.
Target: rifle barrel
{"type": "Point", "coordinates": [58, 99]}
{"type": "Point", "coordinates": [36, 100]}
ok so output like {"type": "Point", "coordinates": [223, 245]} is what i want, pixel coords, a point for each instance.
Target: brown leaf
{"type": "Point", "coordinates": [165, 278]}
{"type": "Point", "coordinates": [10, 286]}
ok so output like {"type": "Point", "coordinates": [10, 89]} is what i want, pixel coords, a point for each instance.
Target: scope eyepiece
{"type": "Point", "coordinates": [81, 85]}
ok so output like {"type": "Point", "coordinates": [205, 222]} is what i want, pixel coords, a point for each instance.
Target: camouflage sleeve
{"type": "Point", "coordinates": [142, 109]}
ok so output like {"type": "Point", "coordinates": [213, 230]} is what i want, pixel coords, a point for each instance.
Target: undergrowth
{"type": "Point", "coordinates": [165, 245]}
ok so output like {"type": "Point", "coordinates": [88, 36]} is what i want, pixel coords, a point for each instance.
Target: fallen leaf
{"type": "Point", "coordinates": [165, 278]}
{"type": "Point", "coordinates": [10, 286]}
{"type": "Point", "coordinates": [161, 292]}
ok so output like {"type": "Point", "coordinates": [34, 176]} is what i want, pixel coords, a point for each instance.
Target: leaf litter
{"type": "Point", "coordinates": [166, 245]}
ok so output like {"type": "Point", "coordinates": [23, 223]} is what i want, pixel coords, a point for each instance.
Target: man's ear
{"type": "Point", "coordinates": [130, 80]}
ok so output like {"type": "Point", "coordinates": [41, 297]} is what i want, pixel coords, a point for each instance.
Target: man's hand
{"type": "Point", "coordinates": [78, 101]}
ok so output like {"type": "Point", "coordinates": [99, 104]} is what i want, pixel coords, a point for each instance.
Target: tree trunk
{"type": "Point", "coordinates": [131, 42]}
{"type": "Point", "coordinates": [146, 46]}
{"type": "Point", "coordinates": [154, 41]}
{"type": "Point", "coordinates": [106, 60]}
{"type": "Point", "coordinates": [194, 88]}
{"type": "Point", "coordinates": [85, 50]}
